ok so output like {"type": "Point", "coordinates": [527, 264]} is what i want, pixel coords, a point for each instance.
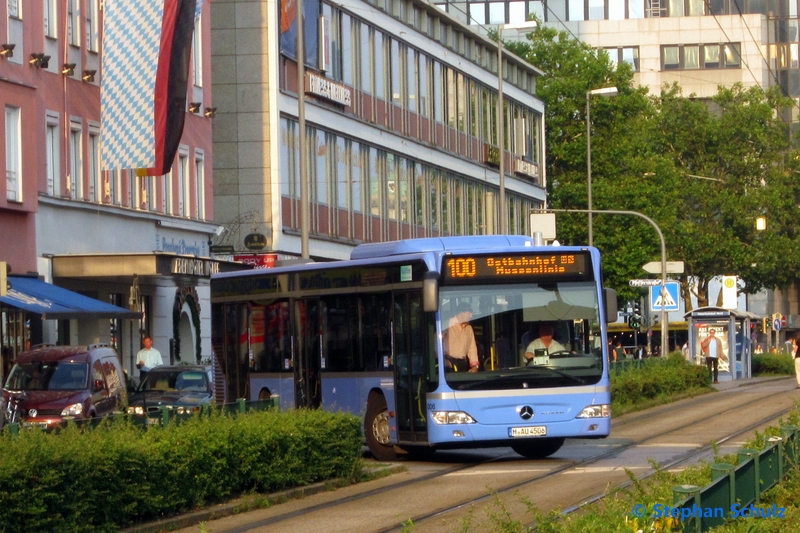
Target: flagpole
{"type": "Point", "coordinates": [301, 124]}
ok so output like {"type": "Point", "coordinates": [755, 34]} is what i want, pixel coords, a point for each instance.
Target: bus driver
{"type": "Point", "coordinates": [460, 349]}
{"type": "Point", "coordinates": [544, 342]}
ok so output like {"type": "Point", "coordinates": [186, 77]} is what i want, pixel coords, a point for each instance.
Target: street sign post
{"type": "Point", "coordinates": [645, 282]}
{"type": "Point", "coordinates": [673, 267]}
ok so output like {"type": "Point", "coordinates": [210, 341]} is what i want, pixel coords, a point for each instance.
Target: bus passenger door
{"type": "Point", "coordinates": [307, 353]}
{"type": "Point", "coordinates": [411, 364]}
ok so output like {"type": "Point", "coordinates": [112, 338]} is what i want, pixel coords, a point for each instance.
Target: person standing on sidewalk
{"type": "Point", "coordinates": [796, 355]}
{"type": "Point", "coordinates": [712, 348]}
{"type": "Point", "coordinates": [147, 358]}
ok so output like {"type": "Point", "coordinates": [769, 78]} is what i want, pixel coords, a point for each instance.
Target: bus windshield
{"type": "Point", "coordinates": [522, 336]}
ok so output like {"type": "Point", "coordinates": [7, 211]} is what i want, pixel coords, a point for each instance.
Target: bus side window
{"type": "Point", "coordinates": [375, 337]}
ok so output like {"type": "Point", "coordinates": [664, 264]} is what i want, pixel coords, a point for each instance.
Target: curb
{"type": "Point", "coordinates": [243, 504]}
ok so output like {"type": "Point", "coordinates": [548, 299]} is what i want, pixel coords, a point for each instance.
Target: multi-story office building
{"type": "Point", "coordinates": [134, 241]}
{"type": "Point", "coordinates": [399, 103]}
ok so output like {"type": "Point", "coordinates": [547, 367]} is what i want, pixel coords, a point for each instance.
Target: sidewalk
{"type": "Point", "coordinates": [726, 381]}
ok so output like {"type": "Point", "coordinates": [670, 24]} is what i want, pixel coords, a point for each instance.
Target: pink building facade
{"type": "Point", "coordinates": [59, 205]}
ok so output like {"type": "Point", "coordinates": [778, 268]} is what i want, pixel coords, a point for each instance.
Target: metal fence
{"type": "Point", "coordinates": [164, 416]}
{"type": "Point", "coordinates": [736, 490]}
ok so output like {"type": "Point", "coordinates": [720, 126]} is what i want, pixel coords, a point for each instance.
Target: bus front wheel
{"type": "Point", "coordinates": [376, 430]}
{"type": "Point", "coordinates": [538, 448]}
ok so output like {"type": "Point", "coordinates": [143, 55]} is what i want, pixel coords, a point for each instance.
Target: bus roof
{"type": "Point", "coordinates": [439, 244]}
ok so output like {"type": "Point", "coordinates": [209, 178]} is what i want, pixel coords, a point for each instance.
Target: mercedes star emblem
{"type": "Point", "coordinates": [526, 412]}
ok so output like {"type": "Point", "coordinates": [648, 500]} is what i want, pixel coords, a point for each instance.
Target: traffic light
{"type": "Point", "coordinates": [764, 324]}
{"type": "Point", "coordinates": [635, 320]}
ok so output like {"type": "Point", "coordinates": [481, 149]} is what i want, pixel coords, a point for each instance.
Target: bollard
{"type": "Point", "coordinates": [164, 416]}
{"type": "Point", "coordinates": [690, 493]}
{"type": "Point", "coordinates": [745, 454]}
{"type": "Point", "coordinates": [778, 441]}
{"type": "Point", "coordinates": [241, 404]}
{"type": "Point", "coordinates": [719, 470]}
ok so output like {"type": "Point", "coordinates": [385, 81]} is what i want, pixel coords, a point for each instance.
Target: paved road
{"type": "Point", "coordinates": [453, 487]}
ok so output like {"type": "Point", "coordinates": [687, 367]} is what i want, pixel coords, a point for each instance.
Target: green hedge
{"type": "Point", "coordinates": [773, 363]}
{"type": "Point", "coordinates": [117, 475]}
{"type": "Point", "coordinates": [656, 378]}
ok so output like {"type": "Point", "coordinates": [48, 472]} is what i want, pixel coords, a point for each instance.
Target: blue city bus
{"type": "Point", "coordinates": [367, 336]}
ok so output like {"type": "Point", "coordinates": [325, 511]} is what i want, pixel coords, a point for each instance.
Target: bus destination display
{"type": "Point", "coordinates": [494, 268]}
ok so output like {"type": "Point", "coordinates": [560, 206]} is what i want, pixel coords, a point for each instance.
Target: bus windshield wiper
{"type": "Point", "coordinates": [563, 374]}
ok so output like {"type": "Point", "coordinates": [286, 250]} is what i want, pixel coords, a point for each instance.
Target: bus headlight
{"type": "Point", "coordinates": [451, 417]}
{"type": "Point", "coordinates": [135, 410]}
{"type": "Point", "coordinates": [595, 411]}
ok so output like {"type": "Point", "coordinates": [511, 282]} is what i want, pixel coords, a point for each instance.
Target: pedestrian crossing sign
{"type": "Point", "coordinates": [666, 301]}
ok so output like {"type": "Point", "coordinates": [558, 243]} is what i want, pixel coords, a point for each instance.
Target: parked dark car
{"type": "Point", "coordinates": [50, 384]}
{"type": "Point", "coordinates": [182, 388]}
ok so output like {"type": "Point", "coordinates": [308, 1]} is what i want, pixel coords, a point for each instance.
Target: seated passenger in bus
{"type": "Point", "coordinates": [460, 348]}
{"type": "Point", "coordinates": [542, 347]}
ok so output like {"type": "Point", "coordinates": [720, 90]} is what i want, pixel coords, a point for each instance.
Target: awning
{"type": "Point", "coordinates": [54, 302]}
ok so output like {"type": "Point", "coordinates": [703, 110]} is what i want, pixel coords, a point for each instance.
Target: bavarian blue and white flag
{"type": "Point", "coordinates": [147, 45]}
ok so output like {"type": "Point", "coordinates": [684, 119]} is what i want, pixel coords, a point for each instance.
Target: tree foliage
{"type": "Point", "coordinates": [645, 149]}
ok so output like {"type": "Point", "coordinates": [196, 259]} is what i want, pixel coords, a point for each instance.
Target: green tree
{"type": "Point", "coordinates": [738, 139]}
{"type": "Point", "coordinates": [571, 69]}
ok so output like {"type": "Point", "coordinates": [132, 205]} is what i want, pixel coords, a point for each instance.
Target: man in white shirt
{"type": "Point", "coordinates": [712, 348]}
{"type": "Point", "coordinates": [544, 342]}
{"type": "Point", "coordinates": [147, 358]}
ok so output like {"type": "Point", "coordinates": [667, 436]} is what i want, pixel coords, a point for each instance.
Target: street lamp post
{"type": "Point", "coordinates": [606, 92]}
{"type": "Point", "coordinates": [502, 224]}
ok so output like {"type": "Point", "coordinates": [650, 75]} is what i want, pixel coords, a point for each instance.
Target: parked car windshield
{"type": "Point", "coordinates": [181, 380]}
{"type": "Point", "coordinates": [60, 375]}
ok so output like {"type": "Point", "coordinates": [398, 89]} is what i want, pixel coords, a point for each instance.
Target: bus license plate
{"type": "Point", "coordinates": [529, 431]}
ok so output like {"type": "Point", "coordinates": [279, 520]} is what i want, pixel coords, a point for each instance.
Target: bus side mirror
{"type": "Point", "coordinates": [430, 293]}
{"type": "Point", "coordinates": [611, 305]}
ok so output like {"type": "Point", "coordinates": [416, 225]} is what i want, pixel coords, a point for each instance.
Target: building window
{"type": "Point", "coordinates": [145, 192]}
{"type": "Point", "coordinates": [166, 193]}
{"type": "Point", "coordinates": [200, 185]}
{"type": "Point", "coordinates": [183, 184]}
{"type": "Point", "coordinates": [732, 55]}
{"type": "Point", "coordinates": [628, 54]}
{"type": "Point", "coordinates": [13, 155]}
{"type": "Point", "coordinates": [73, 22]}
{"type": "Point", "coordinates": [94, 164]}
{"type": "Point", "coordinates": [197, 53]}
{"type": "Point", "coordinates": [705, 56]}
{"type": "Point", "coordinates": [53, 156]}
{"type": "Point", "coordinates": [92, 25]}
{"type": "Point", "coordinates": [13, 9]}
{"type": "Point", "coordinates": [115, 187]}
{"type": "Point", "coordinates": [670, 58]}
{"type": "Point", "coordinates": [50, 19]}
{"type": "Point", "coordinates": [76, 161]}
{"type": "Point", "coordinates": [691, 57]}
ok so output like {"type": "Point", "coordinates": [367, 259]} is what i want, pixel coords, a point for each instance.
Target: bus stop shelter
{"type": "Point", "coordinates": [732, 327]}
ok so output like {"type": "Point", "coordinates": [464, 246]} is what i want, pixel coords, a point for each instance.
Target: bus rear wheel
{"type": "Point", "coordinates": [376, 430]}
{"type": "Point", "coordinates": [538, 448]}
